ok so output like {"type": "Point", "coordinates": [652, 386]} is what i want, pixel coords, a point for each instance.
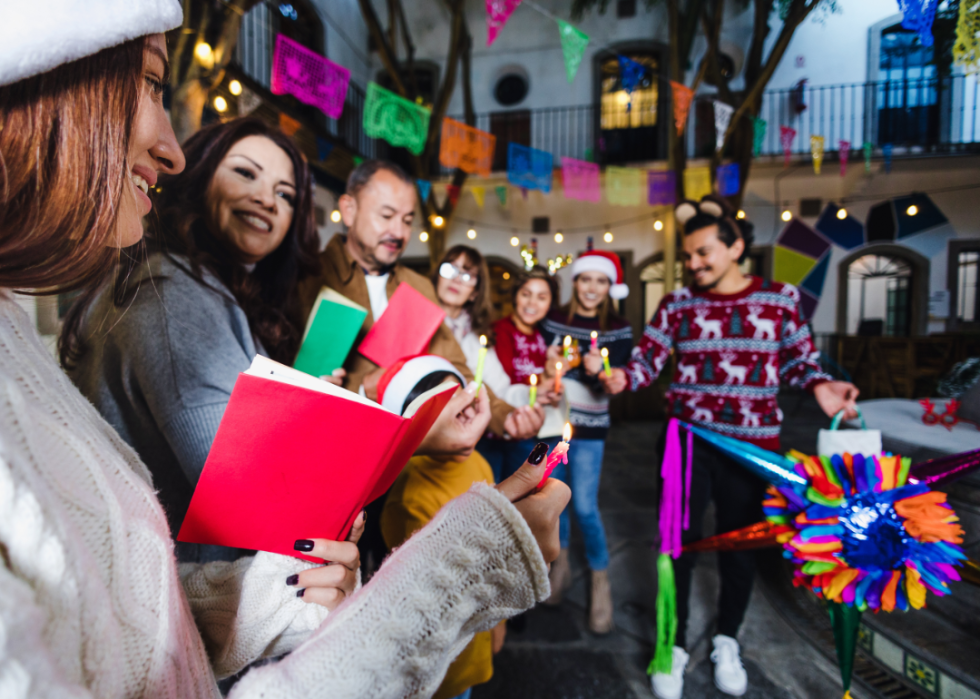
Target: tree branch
{"type": "Point", "coordinates": [385, 52]}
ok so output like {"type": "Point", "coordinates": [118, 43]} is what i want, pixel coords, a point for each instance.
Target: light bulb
{"type": "Point", "coordinates": [559, 237]}
{"type": "Point", "coordinates": [740, 215]}
{"type": "Point", "coordinates": [235, 87]}
{"type": "Point", "coordinates": [220, 104]}
{"type": "Point", "coordinates": [204, 53]}
{"type": "Point", "coordinates": [471, 234]}
{"type": "Point", "coordinates": [912, 210]}
{"type": "Point", "coordinates": [608, 237]}
{"type": "Point", "coordinates": [786, 215]}
{"type": "Point", "coordinates": [424, 236]}
{"type": "Point", "coordinates": [658, 225]}
{"type": "Point", "coordinates": [335, 216]}
{"type": "Point", "coordinates": [438, 220]}
{"type": "Point", "coordinates": [515, 241]}
{"type": "Point", "coordinates": [842, 213]}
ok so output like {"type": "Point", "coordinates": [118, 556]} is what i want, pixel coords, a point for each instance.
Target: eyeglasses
{"type": "Point", "coordinates": [447, 270]}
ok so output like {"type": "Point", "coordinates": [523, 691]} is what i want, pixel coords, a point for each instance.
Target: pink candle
{"type": "Point", "coordinates": [558, 455]}
{"type": "Point", "coordinates": [595, 340]}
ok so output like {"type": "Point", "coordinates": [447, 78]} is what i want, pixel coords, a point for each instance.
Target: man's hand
{"type": "Point", "coordinates": [593, 362]}
{"type": "Point", "coordinates": [459, 426]}
{"type": "Point", "coordinates": [337, 377]}
{"type": "Point", "coordinates": [834, 396]}
{"type": "Point", "coordinates": [539, 508]}
{"type": "Point", "coordinates": [617, 383]}
{"type": "Point", "coordinates": [524, 422]}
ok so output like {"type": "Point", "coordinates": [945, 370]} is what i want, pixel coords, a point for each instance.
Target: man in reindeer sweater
{"type": "Point", "coordinates": [736, 338]}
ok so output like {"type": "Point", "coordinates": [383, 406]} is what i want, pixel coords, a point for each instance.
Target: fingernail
{"type": "Point", "coordinates": [537, 454]}
{"type": "Point", "coordinates": [300, 593]}
{"type": "Point", "coordinates": [364, 515]}
{"type": "Point", "coordinates": [292, 579]}
{"type": "Point", "coordinates": [303, 545]}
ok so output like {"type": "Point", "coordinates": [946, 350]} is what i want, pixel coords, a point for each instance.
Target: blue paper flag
{"type": "Point", "coordinates": [630, 73]}
{"type": "Point", "coordinates": [424, 188]}
{"type": "Point", "coordinates": [529, 168]}
{"type": "Point", "coordinates": [917, 16]}
{"type": "Point", "coordinates": [886, 150]}
{"type": "Point", "coordinates": [728, 179]}
{"type": "Point", "coordinates": [323, 148]}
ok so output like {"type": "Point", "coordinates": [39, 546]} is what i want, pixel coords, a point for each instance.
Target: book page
{"type": "Point", "coordinates": [265, 368]}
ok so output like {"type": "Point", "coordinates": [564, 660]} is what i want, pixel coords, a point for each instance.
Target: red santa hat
{"type": "Point", "coordinates": [606, 263]}
{"type": "Point", "coordinates": [404, 375]}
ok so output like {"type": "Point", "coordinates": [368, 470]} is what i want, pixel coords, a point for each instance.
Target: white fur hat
{"type": "Point", "coordinates": [38, 35]}
{"type": "Point", "coordinates": [603, 262]}
{"type": "Point", "coordinates": [401, 377]}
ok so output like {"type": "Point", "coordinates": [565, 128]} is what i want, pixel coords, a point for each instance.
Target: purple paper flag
{"type": "Point", "coordinates": [309, 77]}
{"type": "Point", "coordinates": [661, 187]}
{"type": "Point", "coordinates": [580, 180]}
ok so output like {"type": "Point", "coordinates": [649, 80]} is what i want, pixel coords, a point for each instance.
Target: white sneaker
{"type": "Point", "coordinates": [730, 676]}
{"type": "Point", "coordinates": [671, 686]}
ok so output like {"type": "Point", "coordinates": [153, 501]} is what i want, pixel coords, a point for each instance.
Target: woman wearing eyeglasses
{"type": "Point", "coordinates": [461, 280]}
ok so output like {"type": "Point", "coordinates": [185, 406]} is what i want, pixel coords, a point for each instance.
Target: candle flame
{"type": "Point", "coordinates": [567, 434]}
{"type": "Point", "coordinates": [594, 334]}
{"type": "Point", "coordinates": [568, 340]}
{"type": "Point", "coordinates": [558, 366]}
{"type": "Point", "coordinates": [483, 340]}
{"type": "Point", "coordinates": [534, 379]}
{"type": "Point", "coordinates": [605, 352]}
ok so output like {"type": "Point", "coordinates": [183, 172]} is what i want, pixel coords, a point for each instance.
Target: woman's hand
{"type": "Point", "coordinates": [546, 393]}
{"type": "Point", "coordinates": [593, 362]}
{"type": "Point", "coordinates": [552, 355]}
{"type": "Point", "coordinates": [524, 422]}
{"type": "Point", "coordinates": [617, 382]}
{"type": "Point", "coordinates": [336, 377]}
{"type": "Point", "coordinates": [540, 508]}
{"type": "Point", "coordinates": [329, 585]}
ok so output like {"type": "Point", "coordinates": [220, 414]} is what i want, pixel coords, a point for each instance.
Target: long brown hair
{"type": "Point", "coordinates": [64, 141]}
{"type": "Point", "coordinates": [604, 312]}
{"type": "Point", "coordinates": [479, 308]}
{"type": "Point", "coordinates": [536, 272]}
{"type": "Point", "coordinates": [183, 232]}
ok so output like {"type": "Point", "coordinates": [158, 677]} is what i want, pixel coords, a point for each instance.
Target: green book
{"type": "Point", "coordinates": [330, 333]}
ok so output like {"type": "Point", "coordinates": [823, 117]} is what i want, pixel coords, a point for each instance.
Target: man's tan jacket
{"type": "Point", "coordinates": [342, 274]}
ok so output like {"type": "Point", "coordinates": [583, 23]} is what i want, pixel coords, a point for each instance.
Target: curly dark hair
{"type": "Point", "coordinates": [730, 227]}
{"type": "Point", "coordinates": [183, 232]}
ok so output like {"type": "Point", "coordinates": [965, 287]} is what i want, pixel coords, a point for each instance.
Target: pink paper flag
{"type": "Point", "coordinates": [309, 77]}
{"type": "Point", "coordinates": [580, 179]}
{"type": "Point", "coordinates": [843, 150]}
{"type": "Point", "coordinates": [786, 136]}
{"type": "Point", "coordinates": [498, 11]}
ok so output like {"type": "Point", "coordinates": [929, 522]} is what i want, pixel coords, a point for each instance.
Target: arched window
{"type": "Point", "coordinates": [628, 122]}
{"type": "Point", "coordinates": [879, 296]}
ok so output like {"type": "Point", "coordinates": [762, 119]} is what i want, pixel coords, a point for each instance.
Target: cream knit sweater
{"type": "Point", "coordinates": [92, 605]}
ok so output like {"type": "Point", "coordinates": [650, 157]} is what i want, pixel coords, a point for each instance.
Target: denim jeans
{"type": "Point", "coordinates": [582, 476]}
{"type": "Point", "coordinates": [506, 456]}
{"type": "Point", "coordinates": [468, 693]}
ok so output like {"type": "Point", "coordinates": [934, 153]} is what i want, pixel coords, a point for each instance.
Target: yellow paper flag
{"type": "Point", "coordinates": [697, 182]}
{"type": "Point", "coordinates": [478, 193]}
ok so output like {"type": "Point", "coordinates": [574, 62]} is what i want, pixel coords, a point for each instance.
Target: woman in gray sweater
{"type": "Point", "coordinates": [158, 351]}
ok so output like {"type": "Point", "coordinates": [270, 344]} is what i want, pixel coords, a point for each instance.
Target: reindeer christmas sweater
{"type": "Point", "coordinates": [732, 352]}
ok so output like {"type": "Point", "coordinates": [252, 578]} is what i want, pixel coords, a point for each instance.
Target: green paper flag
{"type": "Point", "coordinates": [502, 194]}
{"type": "Point", "coordinates": [868, 150]}
{"type": "Point", "coordinates": [758, 135]}
{"type": "Point", "coordinates": [395, 119]}
{"type": "Point", "coordinates": [845, 618]}
{"type": "Point", "coordinates": [573, 43]}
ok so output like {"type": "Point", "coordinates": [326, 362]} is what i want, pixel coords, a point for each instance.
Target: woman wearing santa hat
{"type": "Point", "coordinates": [597, 279]}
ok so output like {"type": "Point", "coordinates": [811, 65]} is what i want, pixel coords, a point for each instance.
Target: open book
{"type": "Point", "coordinates": [330, 333]}
{"type": "Point", "coordinates": [298, 458]}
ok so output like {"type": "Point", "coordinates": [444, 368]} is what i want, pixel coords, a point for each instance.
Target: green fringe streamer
{"type": "Point", "coordinates": [663, 656]}
{"type": "Point", "coordinates": [903, 471]}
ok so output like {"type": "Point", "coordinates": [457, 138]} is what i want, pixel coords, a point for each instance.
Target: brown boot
{"type": "Point", "coordinates": [600, 604]}
{"type": "Point", "coordinates": [560, 578]}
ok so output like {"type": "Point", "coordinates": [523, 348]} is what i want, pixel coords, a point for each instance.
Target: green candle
{"type": "Point", "coordinates": [605, 361]}
{"type": "Point", "coordinates": [534, 390]}
{"type": "Point", "coordinates": [481, 358]}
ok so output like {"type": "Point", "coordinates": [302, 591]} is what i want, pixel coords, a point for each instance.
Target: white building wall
{"type": "Point", "coordinates": [346, 37]}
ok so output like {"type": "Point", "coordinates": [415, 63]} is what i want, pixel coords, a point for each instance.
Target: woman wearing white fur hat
{"type": "Point", "coordinates": [597, 277]}
{"type": "Point", "coordinates": [92, 603]}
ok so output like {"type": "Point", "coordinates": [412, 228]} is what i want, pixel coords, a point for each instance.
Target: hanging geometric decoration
{"type": "Point", "coordinates": [868, 149]}
{"type": "Point", "coordinates": [580, 180]}
{"type": "Point", "coordinates": [723, 115]}
{"type": "Point", "coordinates": [966, 48]}
{"type": "Point", "coordinates": [478, 195]}
{"type": "Point", "coordinates": [309, 77]}
{"type": "Point", "coordinates": [395, 119]}
{"type": "Point", "coordinates": [498, 11]}
{"type": "Point", "coordinates": [758, 135]}
{"type": "Point", "coordinates": [288, 125]}
{"type": "Point", "coordinates": [501, 191]}
{"type": "Point", "coordinates": [529, 168]}
{"type": "Point", "coordinates": [573, 43]}
{"type": "Point", "coordinates": [843, 150]}
{"type": "Point", "coordinates": [630, 75]}
{"type": "Point", "coordinates": [466, 147]}
{"type": "Point", "coordinates": [786, 136]}
{"type": "Point", "coordinates": [917, 16]}
{"type": "Point", "coordinates": [424, 188]}
{"type": "Point", "coordinates": [625, 186]}
{"type": "Point", "coordinates": [728, 179]}
{"type": "Point", "coordinates": [661, 187]}
{"type": "Point", "coordinates": [846, 232]}
{"type": "Point", "coordinates": [683, 96]}
{"type": "Point", "coordinates": [697, 182]}
{"type": "Point", "coordinates": [816, 151]}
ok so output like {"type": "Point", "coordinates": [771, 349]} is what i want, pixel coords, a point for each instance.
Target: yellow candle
{"type": "Point", "coordinates": [605, 361]}
{"type": "Point", "coordinates": [534, 390]}
{"type": "Point", "coordinates": [557, 377]}
{"type": "Point", "coordinates": [481, 358]}
{"type": "Point", "coordinates": [595, 340]}
{"type": "Point", "coordinates": [568, 346]}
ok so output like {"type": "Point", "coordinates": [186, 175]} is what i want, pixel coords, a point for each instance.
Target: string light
{"type": "Point", "coordinates": [438, 220]}
{"type": "Point", "coordinates": [559, 237]}
{"type": "Point", "coordinates": [608, 237]}
{"type": "Point", "coordinates": [203, 52]}
{"type": "Point", "coordinates": [515, 241]}
{"type": "Point", "coordinates": [786, 215]}
{"type": "Point", "coordinates": [740, 215]}
{"type": "Point", "coordinates": [912, 210]}
{"type": "Point", "coordinates": [842, 213]}
{"type": "Point", "coordinates": [220, 104]}
{"type": "Point", "coordinates": [471, 234]}
{"type": "Point", "coordinates": [335, 216]}
{"type": "Point", "coordinates": [424, 236]}
{"type": "Point", "coordinates": [235, 87]}
{"type": "Point", "coordinates": [506, 275]}
{"type": "Point", "coordinates": [658, 225]}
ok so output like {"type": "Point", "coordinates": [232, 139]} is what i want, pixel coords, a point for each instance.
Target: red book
{"type": "Point", "coordinates": [298, 458]}
{"type": "Point", "coordinates": [404, 329]}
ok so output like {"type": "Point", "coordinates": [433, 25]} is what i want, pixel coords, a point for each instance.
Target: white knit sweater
{"type": "Point", "coordinates": [91, 603]}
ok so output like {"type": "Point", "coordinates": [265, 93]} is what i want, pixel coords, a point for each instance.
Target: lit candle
{"type": "Point", "coordinates": [481, 358]}
{"type": "Point", "coordinates": [605, 361]}
{"type": "Point", "coordinates": [534, 390]}
{"type": "Point", "coordinates": [557, 377]}
{"type": "Point", "coordinates": [595, 340]}
{"type": "Point", "coordinates": [568, 346]}
{"type": "Point", "coordinates": [558, 455]}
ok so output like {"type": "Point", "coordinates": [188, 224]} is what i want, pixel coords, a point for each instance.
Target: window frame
{"type": "Point", "coordinates": [953, 250]}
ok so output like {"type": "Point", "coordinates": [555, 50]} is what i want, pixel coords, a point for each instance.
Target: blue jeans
{"type": "Point", "coordinates": [467, 693]}
{"type": "Point", "coordinates": [582, 476]}
{"type": "Point", "coordinates": [505, 456]}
